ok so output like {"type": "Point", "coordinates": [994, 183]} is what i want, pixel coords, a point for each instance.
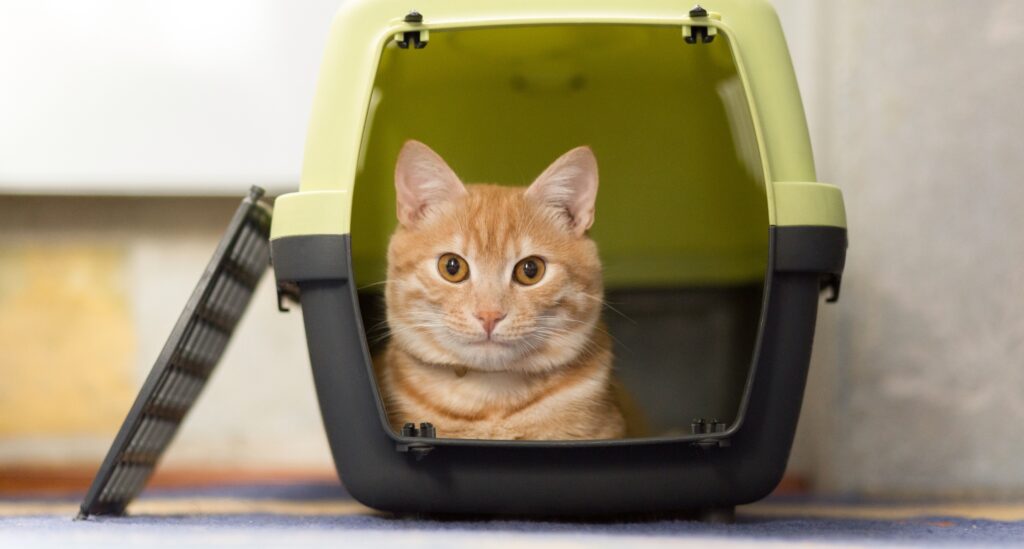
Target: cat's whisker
{"type": "Point", "coordinates": [407, 326]}
{"type": "Point", "coordinates": [596, 327]}
{"type": "Point", "coordinates": [588, 342]}
{"type": "Point", "coordinates": [529, 344]}
{"type": "Point", "coordinates": [605, 303]}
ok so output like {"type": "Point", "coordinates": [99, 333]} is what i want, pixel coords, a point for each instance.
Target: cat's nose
{"type": "Point", "coordinates": [489, 319]}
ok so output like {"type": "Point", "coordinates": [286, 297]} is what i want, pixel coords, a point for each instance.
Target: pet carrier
{"type": "Point", "coordinates": [715, 237]}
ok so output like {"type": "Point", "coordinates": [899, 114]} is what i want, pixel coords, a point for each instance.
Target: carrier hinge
{"type": "Point", "coordinates": [694, 32]}
{"type": "Point", "coordinates": [832, 282]}
{"type": "Point", "coordinates": [418, 38]}
{"type": "Point", "coordinates": [418, 449]}
{"type": "Point", "coordinates": [700, 426]}
{"type": "Point", "coordinates": [287, 291]}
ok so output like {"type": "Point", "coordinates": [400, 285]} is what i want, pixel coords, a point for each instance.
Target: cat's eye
{"type": "Point", "coordinates": [529, 271]}
{"type": "Point", "coordinates": [452, 268]}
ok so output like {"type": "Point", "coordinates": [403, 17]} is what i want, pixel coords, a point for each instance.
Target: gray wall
{"type": "Point", "coordinates": [918, 376]}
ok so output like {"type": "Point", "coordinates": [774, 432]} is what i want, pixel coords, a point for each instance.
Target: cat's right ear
{"type": "Point", "coordinates": [569, 187]}
{"type": "Point", "coordinates": [422, 181]}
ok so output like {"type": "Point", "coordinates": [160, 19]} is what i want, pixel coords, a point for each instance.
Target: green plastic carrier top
{"type": "Point", "coordinates": [701, 146]}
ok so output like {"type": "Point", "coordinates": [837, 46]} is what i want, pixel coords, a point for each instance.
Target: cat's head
{"type": "Point", "coordinates": [491, 277]}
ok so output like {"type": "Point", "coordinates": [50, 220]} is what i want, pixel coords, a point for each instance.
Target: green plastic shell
{"type": "Point", "coordinates": [689, 138]}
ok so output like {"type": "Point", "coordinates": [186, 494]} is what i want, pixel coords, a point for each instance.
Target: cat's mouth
{"type": "Point", "coordinates": [483, 341]}
{"type": "Point", "coordinates": [494, 340]}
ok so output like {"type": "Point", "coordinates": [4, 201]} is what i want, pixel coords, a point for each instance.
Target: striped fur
{"type": "Point", "coordinates": [545, 372]}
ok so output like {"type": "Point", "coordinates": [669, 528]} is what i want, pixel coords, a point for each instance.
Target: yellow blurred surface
{"type": "Point", "coordinates": [67, 341]}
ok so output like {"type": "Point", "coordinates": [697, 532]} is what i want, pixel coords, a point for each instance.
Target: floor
{"type": "Point", "coordinates": [301, 515]}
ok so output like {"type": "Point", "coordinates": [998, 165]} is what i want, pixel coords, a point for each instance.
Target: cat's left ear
{"type": "Point", "coordinates": [570, 186]}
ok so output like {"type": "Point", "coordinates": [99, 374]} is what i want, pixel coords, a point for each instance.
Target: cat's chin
{"type": "Point", "coordinates": [490, 344]}
{"type": "Point", "coordinates": [508, 356]}
{"type": "Point", "coordinates": [491, 355]}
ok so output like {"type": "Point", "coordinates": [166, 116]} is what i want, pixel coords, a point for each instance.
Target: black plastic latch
{"type": "Point", "coordinates": [419, 450]}
{"type": "Point", "coordinates": [700, 426]}
{"type": "Point", "coordinates": [287, 291]}
{"type": "Point", "coordinates": [698, 32]}
{"type": "Point", "coordinates": [832, 282]}
{"type": "Point", "coordinates": [813, 249]}
{"type": "Point", "coordinates": [418, 39]}
{"type": "Point", "coordinates": [307, 258]}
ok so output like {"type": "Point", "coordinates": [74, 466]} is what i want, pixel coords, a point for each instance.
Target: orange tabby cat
{"type": "Point", "coordinates": [493, 303]}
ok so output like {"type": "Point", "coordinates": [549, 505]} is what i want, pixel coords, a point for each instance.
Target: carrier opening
{"type": "Point", "coordinates": [681, 217]}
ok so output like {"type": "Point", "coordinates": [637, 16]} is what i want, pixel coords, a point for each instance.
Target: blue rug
{"type": "Point", "coordinates": [322, 515]}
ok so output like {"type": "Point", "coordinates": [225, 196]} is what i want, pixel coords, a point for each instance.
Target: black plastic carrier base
{"type": "Point", "coordinates": [188, 358]}
{"type": "Point", "coordinates": [707, 470]}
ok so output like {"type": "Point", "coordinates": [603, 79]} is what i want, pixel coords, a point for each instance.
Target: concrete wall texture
{"type": "Point", "coordinates": [89, 290]}
{"type": "Point", "coordinates": [918, 373]}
